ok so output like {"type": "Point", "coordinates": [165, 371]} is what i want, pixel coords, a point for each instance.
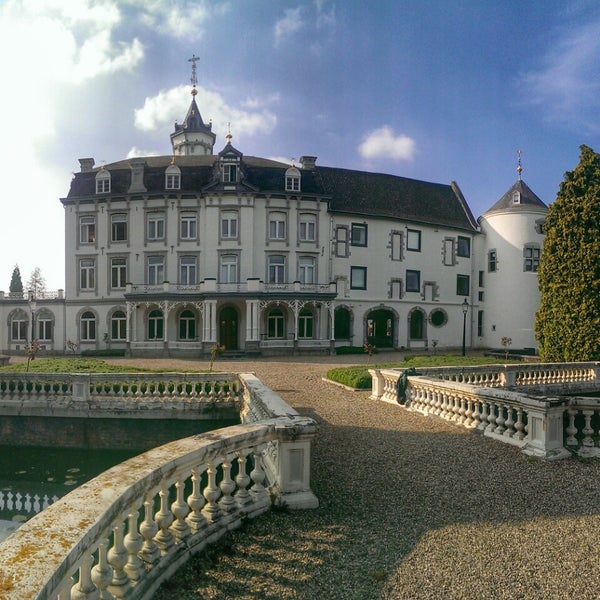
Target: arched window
{"type": "Point", "coordinates": [292, 180]}
{"type": "Point", "coordinates": [187, 325]}
{"type": "Point", "coordinates": [342, 323]}
{"type": "Point", "coordinates": [19, 325]}
{"type": "Point", "coordinates": [306, 321]}
{"type": "Point", "coordinates": [275, 324]}
{"type": "Point", "coordinates": [87, 332]}
{"type": "Point", "coordinates": [172, 178]}
{"type": "Point", "coordinates": [118, 326]}
{"type": "Point", "coordinates": [44, 326]}
{"type": "Point", "coordinates": [155, 325]}
{"type": "Point", "coordinates": [417, 329]}
{"type": "Point", "coordinates": [103, 182]}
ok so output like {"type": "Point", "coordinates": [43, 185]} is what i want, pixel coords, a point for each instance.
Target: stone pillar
{"type": "Point", "coordinates": [545, 431]}
{"type": "Point", "coordinates": [210, 321]}
{"type": "Point", "coordinates": [252, 322]}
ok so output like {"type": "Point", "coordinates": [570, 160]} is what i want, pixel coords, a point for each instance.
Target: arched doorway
{"type": "Point", "coordinates": [380, 328]}
{"type": "Point", "coordinates": [416, 324]}
{"type": "Point", "coordinates": [228, 328]}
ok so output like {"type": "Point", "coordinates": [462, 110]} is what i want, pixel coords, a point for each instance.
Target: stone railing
{"type": "Point", "coordinates": [124, 532]}
{"type": "Point", "coordinates": [484, 399]}
{"type": "Point", "coordinates": [24, 503]}
{"type": "Point", "coordinates": [140, 395]}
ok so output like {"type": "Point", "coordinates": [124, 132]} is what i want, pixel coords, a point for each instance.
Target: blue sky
{"type": "Point", "coordinates": [435, 90]}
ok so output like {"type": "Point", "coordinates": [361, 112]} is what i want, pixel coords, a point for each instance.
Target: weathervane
{"type": "Point", "coordinates": [519, 167]}
{"type": "Point", "coordinates": [194, 79]}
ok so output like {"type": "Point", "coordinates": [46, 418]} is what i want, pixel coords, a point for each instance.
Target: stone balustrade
{"type": "Point", "coordinates": [140, 395]}
{"type": "Point", "coordinates": [25, 502]}
{"type": "Point", "coordinates": [484, 399]}
{"type": "Point", "coordinates": [124, 532]}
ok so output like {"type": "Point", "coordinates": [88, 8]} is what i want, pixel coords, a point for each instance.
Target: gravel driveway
{"type": "Point", "coordinates": [411, 507]}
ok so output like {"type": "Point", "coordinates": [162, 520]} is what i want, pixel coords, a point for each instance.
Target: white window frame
{"type": "Point", "coordinates": [229, 225]}
{"type": "Point", "coordinates": [292, 183]}
{"type": "Point", "coordinates": [307, 270]}
{"type": "Point", "coordinates": [307, 228]}
{"type": "Point", "coordinates": [87, 329]}
{"type": "Point", "coordinates": [103, 180]}
{"type": "Point", "coordinates": [118, 272]}
{"type": "Point", "coordinates": [230, 173]}
{"type": "Point", "coordinates": [45, 328]}
{"type": "Point", "coordinates": [277, 225]}
{"type": "Point", "coordinates": [228, 268]}
{"type": "Point", "coordinates": [188, 226]}
{"type": "Point", "coordinates": [156, 222]}
{"type": "Point", "coordinates": [276, 266]}
{"type": "Point", "coordinates": [118, 227]}
{"type": "Point", "coordinates": [306, 324]}
{"type": "Point", "coordinates": [18, 329]}
{"type": "Point", "coordinates": [87, 229]}
{"type": "Point", "coordinates": [188, 270]}
{"type": "Point", "coordinates": [155, 270]}
{"type": "Point", "coordinates": [87, 274]}
{"type": "Point", "coordinates": [118, 323]}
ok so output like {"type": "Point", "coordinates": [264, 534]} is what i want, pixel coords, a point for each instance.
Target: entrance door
{"type": "Point", "coordinates": [228, 328]}
{"type": "Point", "coordinates": [380, 328]}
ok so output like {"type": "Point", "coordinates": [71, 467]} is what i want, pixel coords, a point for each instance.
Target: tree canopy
{"type": "Point", "coordinates": [16, 283]}
{"type": "Point", "coordinates": [36, 283]}
{"type": "Point", "coordinates": [568, 319]}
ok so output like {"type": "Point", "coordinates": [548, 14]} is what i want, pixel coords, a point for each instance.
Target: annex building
{"type": "Point", "coordinates": [170, 255]}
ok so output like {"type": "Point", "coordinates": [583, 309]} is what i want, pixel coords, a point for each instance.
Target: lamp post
{"type": "Point", "coordinates": [32, 307]}
{"type": "Point", "coordinates": [465, 309]}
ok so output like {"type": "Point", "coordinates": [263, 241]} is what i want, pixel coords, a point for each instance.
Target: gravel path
{"type": "Point", "coordinates": [411, 507]}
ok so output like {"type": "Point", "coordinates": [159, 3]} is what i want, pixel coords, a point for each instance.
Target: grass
{"type": "Point", "coordinates": [358, 376]}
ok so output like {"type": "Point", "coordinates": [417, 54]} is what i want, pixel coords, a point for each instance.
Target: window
{"type": "Point", "coordinates": [118, 273]}
{"type": "Point", "coordinates": [292, 180]}
{"type": "Point", "coordinates": [438, 317]}
{"type": "Point", "coordinates": [479, 323]}
{"type": "Point", "coordinates": [305, 324]}
{"type": "Point", "coordinates": [448, 252]}
{"type": "Point", "coordinates": [172, 178]}
{"type": "Point", "coordinates": [275, 324]}
{"type": "Point", "coordinates": [306, 270]}
{"type": "Point", "coordinates": [396, 241]}
{"type": "Point", "coordinates": [481, 279]}
{"type": "Point", "coordinates": [229, 173]}
{"type": "Point", "coordinates": [531, 255]}
{"type": "Point", "coordinates": [187, 270]}
{"type": "Point", "coordinates": [413, 240]}
{"type": "Point", "coordinates": [277, 222]}
{"type": "Point", "coordinates": [188, 226]}
{"type": "Point", "coordinates": [18, 329]}
{"type": "Point", "coordinates": [358, 234]}
{"type": "Point", "coordinates": [44, 326]}
{"type": "Point", "coordinates": [341, 241]}
{"type": "Point", "coordinates": [413, 280]}
{"type": "Point", "coordinates": [187, 325]}
{"type": "Point", "coordinates": [342, 323]}
{"type": "Point", "coordinates": [462, 285]}
{"type": "Point", "coordinates": [155, 325]}
{"type": "Point", "coordinates": [492, 261]}
{"type": "Point", "coordinates": [118, 227]}
{"type": "Point", "coordinates": [87, 272]}
{"type": "Point", "coordinates": [228, 270]}
{"type": "Point", "coordinates": [358, 278]}
{"type": "Point", "coordinates": [229, 224]}
{"type": "Point", "coordinates": [395, 289]}
{"type": "Point", "coordinates": [87, 329]}
{"type": "Point", "coordinates": [416, 325]}
{"type": "Point", "coordinates": [103, 182]}
{"type": "Point", "coordinates": [463, 247]}
{"type": "Point", "coordinates": [156, 226]}
{"type": "Point", "coordinates": [516, 197]}
{"type": "Point", "coordinates": [276, 269]}
{"type": "Point", "coordinates": [156, 270]}
{"type": "Point", "coordinates": [118, 326]}
{"type": "Point", "coordinates": [87, 230]}
{"type": "Point", "coordinates": [308, 228]}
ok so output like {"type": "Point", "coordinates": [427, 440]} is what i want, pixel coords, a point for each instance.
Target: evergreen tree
{"type": "Point", "coordinates": [16, 283]}
{"type": "Point", "coordinates": [36, 283]}
{"type": "Point", "coordinates": [568, 319]}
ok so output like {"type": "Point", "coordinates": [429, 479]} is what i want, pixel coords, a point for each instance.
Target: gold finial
{"type": "Point", "coordinates": [519, 167]}
{"type": "Point", "coordinates": [193, 79]}
{"type": "Point", "coordinates": [228, 136]}
{"type": "Point", "coordinates": [173, 160]}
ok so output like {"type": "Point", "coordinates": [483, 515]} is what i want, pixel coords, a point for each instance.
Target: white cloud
{"type": "Point", "coordinates": [325, 15]}
{"type": "Point", "coordinates": [566, 87]}
{"type": "Point", "coordinates": [135, 152]}
{"type": "Point", "coordinates": [171, 105]}
{"type": "Point", "coordinates": [291, 22]}
{"type": "Point", "coordinates": [383, 143]}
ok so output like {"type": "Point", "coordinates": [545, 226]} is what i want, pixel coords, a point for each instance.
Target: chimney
{"type": "Point", "coordinates": [308, 162]}
{"type": "Point", "coordinates": [137, 175]}
{"type": "Point", "coordinates": [87, 164]}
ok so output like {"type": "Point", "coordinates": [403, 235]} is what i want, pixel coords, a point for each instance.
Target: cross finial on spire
{"type": "Point", "coordinates": [228, 136]}
{"type": "Point", "coordinates": [519, 167]}
{"type": "Point", "coordinates": [194, 79]}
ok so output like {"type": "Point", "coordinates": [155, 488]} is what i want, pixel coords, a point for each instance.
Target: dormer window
{"type": "Point", "coordinates": [516, 197]}
{"type": "Point", "coordinates": [103, 182]}
{"type": "Point", "coordinates": [229, 173]}
{"type": "Point", "coordinates": [292, 180]}
{"type": "Point", "coordinates": [173, 178]}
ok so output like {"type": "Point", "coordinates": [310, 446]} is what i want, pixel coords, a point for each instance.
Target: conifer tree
{"type": "Point", "coordinates": [36, 283]}
{"type": "Point", "coordinates": [16, 283]}
{"type": "Point", "coordinates": [568, 319]}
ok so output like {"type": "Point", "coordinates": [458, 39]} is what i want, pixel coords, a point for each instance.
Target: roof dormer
{"type": "Point", "coordinates": [292, 179]}
{"type": "Point", "coordinates": [103, 181]}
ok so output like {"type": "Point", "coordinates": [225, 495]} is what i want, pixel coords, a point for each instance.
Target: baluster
{"type": "Point", "coordinates": [64, 588]}
{"type": "Point", "coordinates": [180, 509]}
{"type": "Point", "coordinates": [85, 589]}
{"type": "Point", "coordinates": [571, 430]}
{"type": "Point", "coordinates": [587, 429]}
{"type": "Point", "coordinates": [195, 500]}
{"type": "Point", "coordinates": [227, 503]}
{"type": "Point", "coordinates": [211, 493]}
{"type": "Point", "coordinates": [455, 409]}
{"type": "Point", "coordinates": [9, 500]}
{"type": "Point", "coordinates": [469, 413]}
{"type": "Point", "coordinates": [491, 418]}
{"type": "Point", "coordinates": [36, 504]}
{"type": "Point", "coordinates": [102, 572]}
{"type": "Point", "coordinates": [150, 552]}
{"type": "Point", "coordinates": [133, 543]}
{"type": "Point", "coordinates": [2, 500]}
{"type": "Point", "coordinates": [462, 413]}
{"type": "Point", "coordinates": [519, 425]}
{"type": "Point", "coordinates": [509, 423]}
{"type": "Point", "coordinates": [438, 404]}
{"type": "Point", "coordinates": [500, 420]}
{"type": "Point", "coordinates": [117, 558]}
{"type": "Point", "coordinates": [242, 479]}
{"type": "Point", "coordinates": [28, 504]}
{"type": "Point", "coordinates": [18, 501]}
{"type": "Point", "coordinates": [45, 502]}
{"type": "Point", "coordinates": [164, 538]}
{"type": "Point", "coordinates": [258, 490]}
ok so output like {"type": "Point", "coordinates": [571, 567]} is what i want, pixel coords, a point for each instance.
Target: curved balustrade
{"type": "Point", "coordinates": [25, 503]}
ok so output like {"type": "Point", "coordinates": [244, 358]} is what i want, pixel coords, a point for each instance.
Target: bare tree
{"type": "Point", "coordinates": [36, 284]}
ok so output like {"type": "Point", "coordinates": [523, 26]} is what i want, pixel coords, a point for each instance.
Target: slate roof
{"type": "Point", "coordinates": [349, 192]}
{"type": "Point", "coordinates": [527, 200]}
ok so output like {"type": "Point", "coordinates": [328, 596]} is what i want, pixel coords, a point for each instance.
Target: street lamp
{"type": "Point", "coordinates": [465, 309]}
{"type": "Point", "coordinates": [32, 307]}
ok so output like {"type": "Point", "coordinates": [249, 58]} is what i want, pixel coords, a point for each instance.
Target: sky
{"type": "Point", "coordinates": [437, 90]}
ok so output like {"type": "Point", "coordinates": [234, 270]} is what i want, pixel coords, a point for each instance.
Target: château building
{"type": "Point", "coordinates": [170, 255]}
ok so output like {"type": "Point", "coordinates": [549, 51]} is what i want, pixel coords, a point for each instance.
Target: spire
{"type": "Point", "coordinates": [519, 167]}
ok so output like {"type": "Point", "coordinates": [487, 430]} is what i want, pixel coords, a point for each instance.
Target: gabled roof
{"type": "Point", "coordinates": [527, 199]}
{"type": "Point", "coordinates": [193, 120]}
